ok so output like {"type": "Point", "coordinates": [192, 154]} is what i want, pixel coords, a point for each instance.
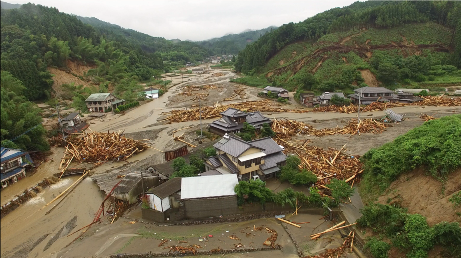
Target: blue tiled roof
{"type": "Point", "coordinates": [11, 173]}
{"type": "Point", "coordinates": [4, 151]}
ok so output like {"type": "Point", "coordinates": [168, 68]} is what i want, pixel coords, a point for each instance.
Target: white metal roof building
{"type": "Point", "coordinates": [208, 186]}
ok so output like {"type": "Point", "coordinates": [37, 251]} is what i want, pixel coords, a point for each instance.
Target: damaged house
{"type": "Point", "coordinates": [232, 121]}
{"type": "Point", "coordinates": [260, 158]}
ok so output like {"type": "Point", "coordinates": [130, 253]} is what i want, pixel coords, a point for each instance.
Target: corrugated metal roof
{"type": "Point", "coordinates": [271, 170]}
{"type": "Point", "coordinates": [168, 188]}
{"type": "Point", "coordinates": [208, 186]}
{"type": "Point", "coordinates": [98, 97]}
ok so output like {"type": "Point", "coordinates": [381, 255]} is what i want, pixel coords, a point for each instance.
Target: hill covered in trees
{"type": "Point", "coordinates": [233, 43]}
{"type": "Point", "coordinates": [410, 44]}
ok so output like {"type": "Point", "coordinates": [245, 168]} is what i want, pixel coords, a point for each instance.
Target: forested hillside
{"type": "Point", "coordinates": [233, 43]}
{"type": "Point", "coordinates": [35, 38]}
{"type": "Point", "coordinates": [174, 53]}
{"type": "Point", "coordinates": [400, 43]}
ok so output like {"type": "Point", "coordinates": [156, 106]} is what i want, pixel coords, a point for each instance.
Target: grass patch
{"type": "Point", "coordinates": [436, 146]}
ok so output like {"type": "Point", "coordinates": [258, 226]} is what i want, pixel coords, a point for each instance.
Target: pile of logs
{"type": "Point", "coordinates": [98, 147]}
{"type": "Point", "coordinates": [325, 164]}
{"type": "Point", "coordinates": [288, 128]}
{"type": "Point", "coordinates": [215, 111]}
{"type": "Point", "coordinates": [440, 101]}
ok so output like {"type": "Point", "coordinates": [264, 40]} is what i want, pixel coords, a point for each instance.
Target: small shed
{"type": "Point", "coordinates": [131, 186]}
{"type": "Point", "coordinates": [161, 198]}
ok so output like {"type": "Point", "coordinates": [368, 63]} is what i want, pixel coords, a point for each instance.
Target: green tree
{"type": "Point", "coordinates": [20, 119]}
{"type": "Point", "coordinates": [253, 191]}
{"type": "Point", "coordinates": [178, 164]}
{"type": "Point", "coordinates": [209, 152]}
{"type": "Point", "coordinates": [197, 162]}
{"type": "Point", "coordinates": [290, 197]}
{"type": "Point", "coordinates": [340, 190]}
{"type": "Point", "coordinates": [267, 131]}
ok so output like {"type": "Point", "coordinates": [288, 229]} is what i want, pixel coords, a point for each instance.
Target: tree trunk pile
{"type": "Point", "coordinates": [98, 147]}
{"type": "Point", "coordinates": [208, 112]}
{"type": "Point", "coordinates": [287, 128]}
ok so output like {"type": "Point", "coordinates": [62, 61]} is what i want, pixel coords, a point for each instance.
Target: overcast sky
{"type": "Point", "coordinates": [193, 19]}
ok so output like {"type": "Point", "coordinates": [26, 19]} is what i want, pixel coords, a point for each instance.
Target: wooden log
{"type": "Point", "coordinates": [76, 182]}
{"type": "Point", "coordinates": [319, 234]}
{"type": "Point", "coordinates": [335, 226]}
{"type": "Point", "coordinates": [333, 161]}
{"type": "Point", "coordinates": [288, 222]}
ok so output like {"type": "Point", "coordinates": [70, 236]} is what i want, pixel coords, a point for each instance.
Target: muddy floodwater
{"type": "Point", "coordinates": [28, 232]}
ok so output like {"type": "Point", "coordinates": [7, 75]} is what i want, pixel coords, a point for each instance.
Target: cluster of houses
{"type": "Point", "coordinates": [365, 96]}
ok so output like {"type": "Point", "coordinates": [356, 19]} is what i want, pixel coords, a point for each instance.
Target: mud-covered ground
{"type": "Point", "coordinates": [28, 232]}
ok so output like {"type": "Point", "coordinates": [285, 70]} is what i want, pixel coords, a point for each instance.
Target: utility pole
{"type": "Point", "coordinates": [358, 111]}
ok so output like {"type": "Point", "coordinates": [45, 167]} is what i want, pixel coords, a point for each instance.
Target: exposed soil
{"type": "Point", "coordinates": [68, 76]}
{"type": "Point", "coordinates": [369, 78]}
{"type": "Point", "coordinates": [423, 194]}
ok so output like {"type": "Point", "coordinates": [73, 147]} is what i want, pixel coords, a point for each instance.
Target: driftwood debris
{"type": "Point", "coordinates": [98, 147]}
{"type": "Point", "coordinates": [288, 222]}
{"type": "Point", "coordinates": [288, 128]}
{"type": "Point", "coordinates": [315, 236]}
{"type": "Point", "coordinates": [426, 117]}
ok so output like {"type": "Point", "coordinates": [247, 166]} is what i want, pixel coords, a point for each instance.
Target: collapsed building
{"type": "Point", "coordinates": [232, 121]}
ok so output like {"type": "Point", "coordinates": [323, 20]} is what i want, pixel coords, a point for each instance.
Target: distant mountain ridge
{"type": "Point", "coordinates": [7, 6]}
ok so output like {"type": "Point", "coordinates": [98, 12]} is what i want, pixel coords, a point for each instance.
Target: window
{"type": "Point", "coordinates": [247, 163]}
{"type": "Point", "coordinates": [240, 163]}
{"type": "Point", "coordinates": [258, 161]}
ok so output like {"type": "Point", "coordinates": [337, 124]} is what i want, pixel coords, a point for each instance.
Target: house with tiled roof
{"type": "Point", "coordinates": [101, 102]}
{"type": "Point", "coordinates": [367, 95]}
{"type": "Point", "coordinates": [279, 92]}
{"type": "Point", "coordinates": [232, 121]}
{"type": "Point", "coordinates": [13, 165]}
{"type": "Point", "coordinates": [259, 158]}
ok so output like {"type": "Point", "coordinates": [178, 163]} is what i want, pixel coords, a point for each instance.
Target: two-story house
{"type": "Point", "coordinates": [373, 94]}
{"type": "Point", "coordinates": [100, 102]}
{"type": "Point", "coordinates": [232, 121]}
{"type": "Point", "coordinates": [260, 158]}
{"type": "Point", "coordinates": [13, 164]}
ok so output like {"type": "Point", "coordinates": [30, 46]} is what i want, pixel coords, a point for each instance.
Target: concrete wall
{"type": "Point", "coordinates": [210, 207]}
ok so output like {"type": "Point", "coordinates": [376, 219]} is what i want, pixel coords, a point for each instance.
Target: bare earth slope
{"type": "Point", "coordinates": [61, 77]}
{"type": "Point", "coordinates": [422, 194]}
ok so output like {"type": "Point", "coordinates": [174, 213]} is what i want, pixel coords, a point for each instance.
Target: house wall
{"type": "Point", "coordinates": [11, 164]}
{"type": "Point", "coordinates": [210, 207]}
{"type": "Point", "coordinates": [250, 151]}
{"type": "Point", "coordinates": [96, 105]}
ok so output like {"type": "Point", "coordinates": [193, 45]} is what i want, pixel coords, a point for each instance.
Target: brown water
{"type": "Point", "coordinates": [28, 232]}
